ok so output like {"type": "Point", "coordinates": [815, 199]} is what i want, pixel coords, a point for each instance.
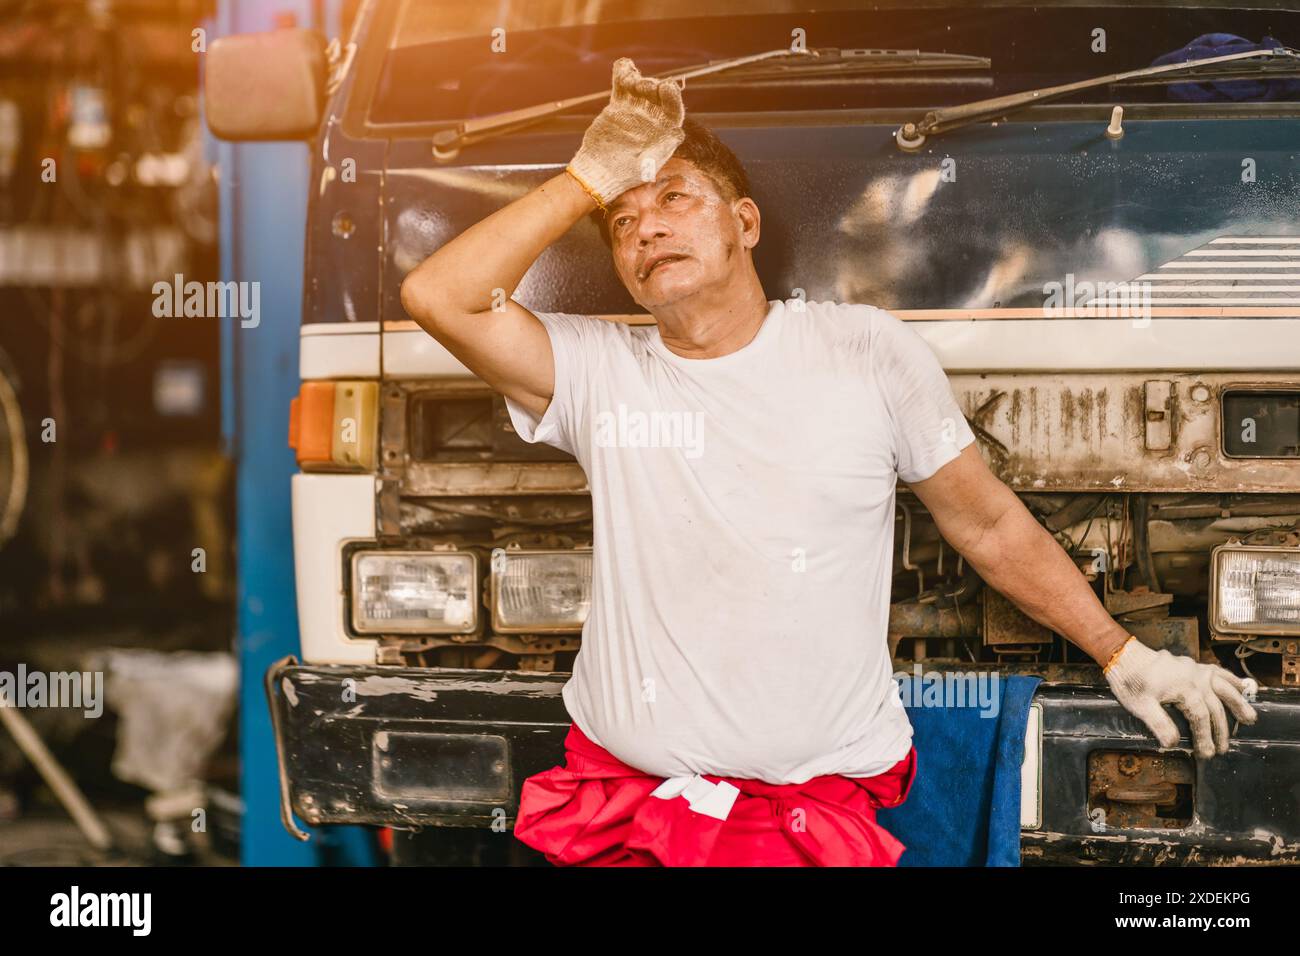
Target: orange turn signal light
{"type": "Point", "coordinates": [333, 425]}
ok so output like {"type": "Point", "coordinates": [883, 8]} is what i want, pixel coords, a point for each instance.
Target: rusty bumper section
{"type": "Point", "coordinates": [411, 747]}
{"type": "Point", "coordinates": [1109, 796]}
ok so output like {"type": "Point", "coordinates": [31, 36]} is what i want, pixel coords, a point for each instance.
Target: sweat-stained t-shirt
{"type": "Point", "coordinates": [743, 536]}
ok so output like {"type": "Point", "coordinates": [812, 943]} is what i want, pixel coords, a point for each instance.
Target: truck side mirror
{"type": "Point", "coordinates": [266, 86]}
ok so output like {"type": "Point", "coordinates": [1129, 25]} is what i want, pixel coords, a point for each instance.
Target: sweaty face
{"type": "Point", "coordinates": [673, 237]}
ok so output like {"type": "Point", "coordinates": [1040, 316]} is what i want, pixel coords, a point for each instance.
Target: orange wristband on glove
{"type": "Point", "coordinates": [1119, 650]}
{"type": "Point", "coordinates": [589, 191]}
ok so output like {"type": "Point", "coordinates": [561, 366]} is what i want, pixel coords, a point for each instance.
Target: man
{"type": "Point", "coordinates": [742, 456]}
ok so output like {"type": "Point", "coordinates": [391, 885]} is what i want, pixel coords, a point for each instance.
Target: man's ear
{"type": "Point", "coordinates": [746, 211]}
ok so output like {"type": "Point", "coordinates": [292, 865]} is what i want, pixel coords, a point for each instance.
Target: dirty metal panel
{"type": "Point", "coordinates": [429, 479]}
{"type": "Point", "coordinates": [1177, 635]}
{"type": "Point", "coordinates": [392, 460]}
{"type": "Point", "coordinates": [1130, 789]}
{"type": "Point", "coordinates": [1244, 806]}
{"type": "Point", "coordinates": [1094, 432]}
{"type": "Point", "coordinates": [1159, 415]}
{"type": "Point", "coordinates": [1004, 623]}
{"type": "Point", "coordinates": [415, 747]}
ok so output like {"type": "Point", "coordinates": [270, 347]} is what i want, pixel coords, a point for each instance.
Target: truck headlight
{"type": "Point", "coordinates": [414, 592]}
{"type": "Point", "coordinates": [535, 591]}
{"type": "Point", "coordinates": [1255, 590]}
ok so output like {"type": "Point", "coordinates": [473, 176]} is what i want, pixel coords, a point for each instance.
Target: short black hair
{"type": "Point", "coordinates": [710, 155]}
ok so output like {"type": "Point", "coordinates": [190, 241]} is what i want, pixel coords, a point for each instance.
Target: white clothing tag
{"type": "Point", "coordinates": [711, 799]}
{"type": "Point", "coordinates": [671, 787]}
{"type": "Point", "coordinates": [718, 802]}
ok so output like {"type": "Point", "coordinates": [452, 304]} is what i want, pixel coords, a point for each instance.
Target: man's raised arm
{"type": "Point", "coordinates": [452, 294]}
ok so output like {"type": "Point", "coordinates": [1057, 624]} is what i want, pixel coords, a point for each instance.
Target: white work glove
{"type": "Point", "coordinates": [1143, 680]}
{"type": "Point", "coordinates": [632, 137]}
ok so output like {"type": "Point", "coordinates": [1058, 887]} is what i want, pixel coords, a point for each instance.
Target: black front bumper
{"type": "Point", "coordinates": [412, 747]}
{"type": "Point", "coordinates": [1245, 804]}
{"type": "Point", "coordinates": [409, 746]}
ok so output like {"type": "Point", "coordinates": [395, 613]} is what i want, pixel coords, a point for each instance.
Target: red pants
{"type": "Point", "coordinates": [598, 811]}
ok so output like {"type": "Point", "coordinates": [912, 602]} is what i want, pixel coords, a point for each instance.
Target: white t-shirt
{"type": "Point", "coordinates": [743, 536]}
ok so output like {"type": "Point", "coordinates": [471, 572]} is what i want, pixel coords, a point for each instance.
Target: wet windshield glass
{"type": "Point", "coordinates": [444, 61]}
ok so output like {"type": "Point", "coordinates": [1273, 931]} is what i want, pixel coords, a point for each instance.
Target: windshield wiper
{"type": "Point", "coordinates": [837, 62]}
{"type": "Point", "coordinates": [911, 136]}
{"type": "Point", "coordinates": [448, 142]}
{"type": "Point", "coordinates": [784, 62]}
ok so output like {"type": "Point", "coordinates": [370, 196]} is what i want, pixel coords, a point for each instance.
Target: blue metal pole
{"type": "Point", "coordinates": [263, 194]}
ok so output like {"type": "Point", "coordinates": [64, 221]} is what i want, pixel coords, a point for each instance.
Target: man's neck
{"type": "Point", "coordinates": [715, 322]}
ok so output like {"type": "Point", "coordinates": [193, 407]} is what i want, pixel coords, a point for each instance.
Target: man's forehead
{"type": "Point", "coordinates": [664, 179]}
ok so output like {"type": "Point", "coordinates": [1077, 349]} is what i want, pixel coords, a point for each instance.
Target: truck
{"type": "Point", "coordinates": [1092, 216]}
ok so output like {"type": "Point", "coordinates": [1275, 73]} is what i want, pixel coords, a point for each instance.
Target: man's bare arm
{"type": "Point", "coordinates": [987, 523]}
{"type": "Point", "coordinates": [985, 520]}
{"type": "Point", "coordinates": [452, 293]}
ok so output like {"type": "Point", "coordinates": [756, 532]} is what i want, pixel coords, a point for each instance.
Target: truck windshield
{"type": "Point", "coordinates": [464, 59]}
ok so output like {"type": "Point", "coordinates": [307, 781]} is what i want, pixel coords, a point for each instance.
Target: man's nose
{"type": "Point", "coordinates": [650, 226]}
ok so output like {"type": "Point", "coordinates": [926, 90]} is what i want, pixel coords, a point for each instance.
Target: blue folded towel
{"type": "Point", "coordinates": [964, 805]}
{"type": "Point", "coordinates": [1225, 44]}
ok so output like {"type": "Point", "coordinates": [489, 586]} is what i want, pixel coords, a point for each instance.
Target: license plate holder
{"type": "Point", "coordinates": [440, 768]}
